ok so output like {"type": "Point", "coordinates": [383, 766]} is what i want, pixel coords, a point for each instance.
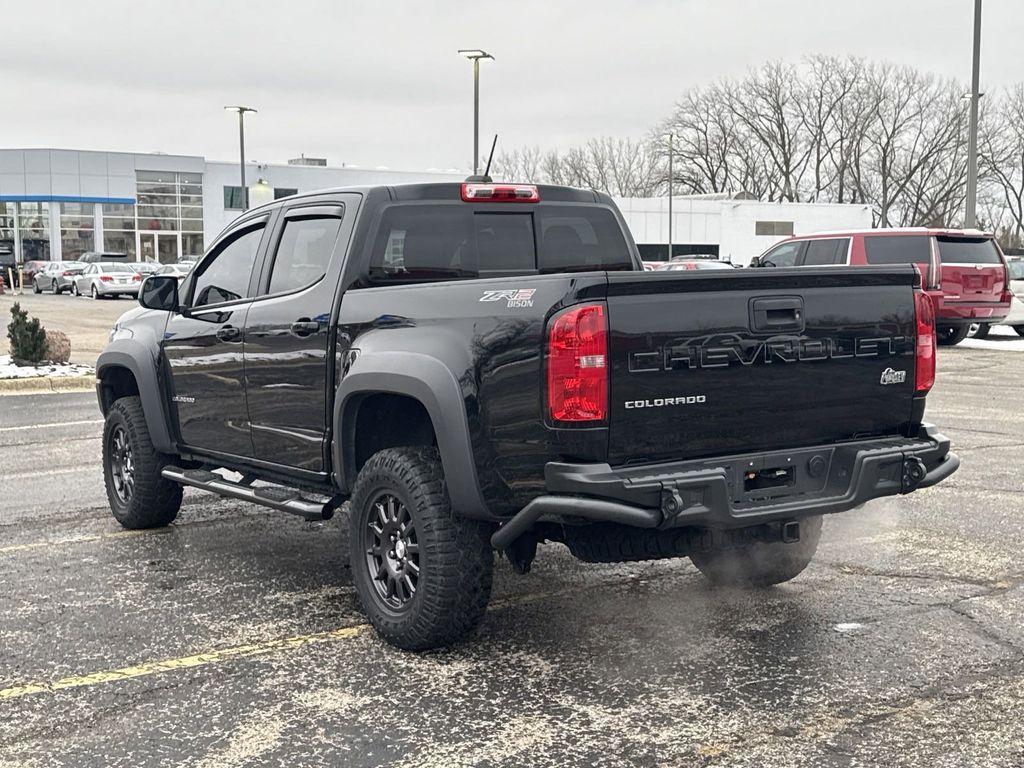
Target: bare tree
{"type": "Point", "coordinates": [1002, 161]}
{"type": "Point", "coordinates": [829, 129]}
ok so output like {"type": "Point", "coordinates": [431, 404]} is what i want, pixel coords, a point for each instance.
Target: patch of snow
{"type": "Point", "coordinates": [847, 628]}
{"type": "Point", "coordinates": [8, 370]}
{"type": "Point", "coordinates": [1000, 337]}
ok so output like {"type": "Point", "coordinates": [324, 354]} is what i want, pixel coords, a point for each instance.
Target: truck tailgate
{"type": "Point", "coordinates": [708, 363]}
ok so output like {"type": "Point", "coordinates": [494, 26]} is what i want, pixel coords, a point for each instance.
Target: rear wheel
{"type": "Point", "coordinates": [422, 573]}
{"type": "Point", "coordinates": [74, 289]}
{"type": "Point", "coordinates": [95, 293]}
{"type": "Point", "coordinates": [139, 496]}
{"type": "Point", "coordinates": [950, 335]}
{"type": "Point", "coordinates": [761, 564]}
{"type": "Point", "coordinates": [35, 287]}
{"type": "Point", "coordinates": [981, 330]}
{"type": "Point", "coordinates": [53, 287]}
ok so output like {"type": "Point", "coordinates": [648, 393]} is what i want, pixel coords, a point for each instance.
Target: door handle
{"type": "Point", "coordinates": [305, 327]}
{"type": "Point", "coordinates": [782, 313]}
{"type": "Point", "coordinates": [229, 333]}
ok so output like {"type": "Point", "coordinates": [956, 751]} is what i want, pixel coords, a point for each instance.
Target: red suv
{"type": "Point", "coordinates": [963, 270]}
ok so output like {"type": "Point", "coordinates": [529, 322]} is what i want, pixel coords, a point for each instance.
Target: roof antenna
{"type": "Point", "coordinates": [486, 178]}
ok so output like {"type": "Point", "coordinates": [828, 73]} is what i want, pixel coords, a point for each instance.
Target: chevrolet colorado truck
{"type": "Point", "coordinates": [476, 368]}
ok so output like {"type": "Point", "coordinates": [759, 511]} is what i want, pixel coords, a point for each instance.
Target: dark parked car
{"type": "Point", "coordinates": [484, 367]}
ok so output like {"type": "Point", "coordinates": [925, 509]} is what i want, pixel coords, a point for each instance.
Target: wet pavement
{"type": "Point", "coordinates": [233, 638]}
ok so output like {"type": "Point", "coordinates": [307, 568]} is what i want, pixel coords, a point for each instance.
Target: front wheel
{"type": "Point", "coordinates": [760, 563]}
{"type": "Point", "coordinates": [950, 335]}
{"type": "Point", "coordinates": [422, 573]}
{"type": "Point", "coordinates": [139, 496]}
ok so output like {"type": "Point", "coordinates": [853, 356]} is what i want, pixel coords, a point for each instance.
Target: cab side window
{"type": "Point", "coordinates": [224, 276]}
{"type": "Point", "coordinates": [304, 251]}
{"type": "Point", "coordinates": [784, 255]}
{"type": "Point", "coordinates": [831, 251]}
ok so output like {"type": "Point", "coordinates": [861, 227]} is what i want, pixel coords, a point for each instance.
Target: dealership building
{"type": "Point", "coordinates": [56, 204]}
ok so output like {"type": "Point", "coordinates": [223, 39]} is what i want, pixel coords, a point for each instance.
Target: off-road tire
{"type": "Point", "coordinates": [982, 331]}
{"type": "Point", "coordinates": [455, 556]}
{"type": "Point", "coordinates": [612, 543]}
{"type": "Point", "coordinates": [1019, 329]}
{"type": "Point", "coordinates": [155, 500]}
{"type": "Point", "coordinates": [760, 564]}
{"type": "Point", "coordinates": [951, 335]}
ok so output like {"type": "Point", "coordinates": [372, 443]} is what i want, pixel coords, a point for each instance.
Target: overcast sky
{"type": "Point", "coordinates": [379, 83]}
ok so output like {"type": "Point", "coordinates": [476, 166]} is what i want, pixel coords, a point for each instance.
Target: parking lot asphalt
{"type": "Point", "coordinates": [233, 637]}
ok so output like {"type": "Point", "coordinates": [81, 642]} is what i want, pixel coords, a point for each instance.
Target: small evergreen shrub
{"type": "Point", "coordinates": [28, 337]}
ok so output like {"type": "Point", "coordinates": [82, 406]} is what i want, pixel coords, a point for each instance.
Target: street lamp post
{"type": "Point", "coordinates": [970, 214]}
{"type": "Point", "coordinates": [241, 149]}
{"type": "Point", "coordinates": [670, 137]}
{"type": "Point", "coordinates": [476, 55]}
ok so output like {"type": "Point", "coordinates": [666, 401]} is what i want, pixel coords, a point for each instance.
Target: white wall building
{"type": "Point", "coordinates": [58, 203]}
{"type": "Point", "coordinates": [735, 230]}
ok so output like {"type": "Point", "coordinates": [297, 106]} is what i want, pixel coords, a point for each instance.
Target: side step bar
{"type": "Point", "coordinates": [278, 498]}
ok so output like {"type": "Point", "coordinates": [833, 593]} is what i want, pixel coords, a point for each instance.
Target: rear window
{"type": "Point", "coordinates": [968, 250]}
{"type": "Point", "coordinates": [428, 242]}
{"type": "Point", "coordinates": [897, 249]}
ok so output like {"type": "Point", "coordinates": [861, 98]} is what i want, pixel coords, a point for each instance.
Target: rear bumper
{"type": "Point", "coordinates": [712, 493]}
{"type": "Point", "coordinates": [966, 313]}
{"type": "Point", "coordinates": [110, 289]}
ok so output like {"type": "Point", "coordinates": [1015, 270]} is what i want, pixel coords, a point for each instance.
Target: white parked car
{"type": "Point", "coordinates": [103, 278]}
{"type": "Point", "coordinates": [1016, 317]}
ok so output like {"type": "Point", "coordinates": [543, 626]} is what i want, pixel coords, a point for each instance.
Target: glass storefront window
{"type": "Point", "coordinates": [7, 227]}
{"type": "Point", "coordinates": [168, 202]}
{"type": "Point", "coordinates": [192, 244]}
{"type": "Point", "coordinates": [34, 231]}
{"type": "Point", "coordinates": [119, 228]}
{"type": "Point", "coordinates": [76, 229]}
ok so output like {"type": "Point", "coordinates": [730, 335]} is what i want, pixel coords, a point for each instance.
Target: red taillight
{"type": "Point", "coordinates": [105, 278]}
{"type": "Point", "coordinates": [136, 278]}
{"type": "Point", "coordinates": [500, 193]}
{"type": "Point", "coordinates": [66, 274]}
{"type": "Point", "coordinates": [1007, 296]}
{"type": "Point", "coordinates": [578, 364]}
{"type": "Point", "coordinates": [925, 350]}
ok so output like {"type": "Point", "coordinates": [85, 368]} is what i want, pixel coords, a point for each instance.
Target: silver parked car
{"type": "Point", "coordinates": [107, 279]}
{"type": "Point", "coordinates": [49, 278]}
{"type": "Point", "coordinates": [179, 270]}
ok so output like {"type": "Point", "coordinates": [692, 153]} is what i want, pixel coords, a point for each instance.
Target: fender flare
{"type": "Point", "coordinates": [137, 359]}
{"type": "Point", "coordinates": [431, 383]}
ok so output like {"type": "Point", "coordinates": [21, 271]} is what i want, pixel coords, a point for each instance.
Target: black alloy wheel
{"type": "Point", "coordinates": [122, 464]}
{"type": "Point", "coordinates": [392, 551]}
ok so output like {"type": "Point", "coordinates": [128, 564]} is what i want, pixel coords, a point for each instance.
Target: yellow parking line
{"type": "Point", "coordinates": [185, 662]}
{"type": "Point", "coordinates": [229, 654]}
{"type": "Point", "coordinates": [78, 540]}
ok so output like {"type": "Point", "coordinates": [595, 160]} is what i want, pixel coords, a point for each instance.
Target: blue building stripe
{"type": "Point", "coordinates": [65, 199]}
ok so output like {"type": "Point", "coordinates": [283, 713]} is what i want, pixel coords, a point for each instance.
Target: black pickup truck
{"type": "Point", "coordinates": [482, 367]}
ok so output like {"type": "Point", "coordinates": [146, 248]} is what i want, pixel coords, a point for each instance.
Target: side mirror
{"type": "Point", "coordinates": [159, 292]}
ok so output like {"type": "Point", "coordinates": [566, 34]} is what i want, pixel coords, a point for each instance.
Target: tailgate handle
{"type": "Point", "coordinates": [777, 313]}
